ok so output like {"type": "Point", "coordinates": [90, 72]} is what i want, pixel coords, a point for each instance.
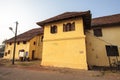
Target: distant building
{"type": "Point", "coordinates": [103, 41]}
{"type": "Point", "coordinates": [28, 44]}
{"type": "Point", "coordinates": [2, 47]}
{"type": "Point", "coordinates": [1, 54]}
{"type": "Point", "coordinates": [64, 43]}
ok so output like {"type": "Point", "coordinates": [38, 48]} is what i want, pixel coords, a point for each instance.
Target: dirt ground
{"type": "Point", "coordinates": [32, 69]}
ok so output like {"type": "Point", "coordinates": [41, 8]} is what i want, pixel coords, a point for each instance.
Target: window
{"type": "Point", "coordinates": [5, 53]}
{"type": "Point", "coordinates": [53, 29]}
{"type": "Point", "coordinates": [97, 32]}
{"type": "Point", "coordinates": [18, 43]}
{"type": "Point", "coordinates": [42, 39]}
{"type": "Point", "coordinates": [8, 51]}
{"type": "Point", "coordinates": [24, 42]}
{"type": "Point", "coordinates": [10, 43]}
{"type": "Point", "coordinates": [64, 27]}
{"type": "Point", "coordinates": [69, 27]}
{"type": "Point", "coordinates": [22, 50]}
{"type": "Point", "coordinates": [112, 50]}
{"type": "Point", "coordinates": [34, 43]}
{"type": "Point", "coordinates": [73, 26]}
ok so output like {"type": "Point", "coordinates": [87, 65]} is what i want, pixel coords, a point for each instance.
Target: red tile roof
{"type": "Point", "coordinates": [68, 15]}
{"type": "Point", "coordinates": [26, 36]}
{"type": "Point", "coordinates": [106, 20]}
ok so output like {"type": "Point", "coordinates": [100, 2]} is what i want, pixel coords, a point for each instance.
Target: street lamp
{"type": "Point", "coordinates": [14, 41]}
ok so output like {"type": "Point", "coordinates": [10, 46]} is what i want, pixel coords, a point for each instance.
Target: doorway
{"type": "Point", "coordinates": [33, 54]}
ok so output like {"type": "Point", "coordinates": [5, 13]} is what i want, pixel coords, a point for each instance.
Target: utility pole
{"type": "Point", "coordinates": [15, 43]}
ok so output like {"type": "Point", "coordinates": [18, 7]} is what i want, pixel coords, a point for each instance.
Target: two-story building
{"type": "Point", "coordinates": [28, 43]}
{"type": "Point", "coordinates": [74, 40]}
{"type": "Point", "coordinates": [64, 43]}
{"type": "Point", "coordinates": [103, 41]}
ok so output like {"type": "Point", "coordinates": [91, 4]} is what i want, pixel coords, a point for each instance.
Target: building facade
{"type": "Point", "coordinates": [64, 40]}
{"type": "Point", "coordinates": [28, 44]}
{"type": "Point", "coordinates": [103, 41]}
{"type": "Point", "coordinates": [74, 40]}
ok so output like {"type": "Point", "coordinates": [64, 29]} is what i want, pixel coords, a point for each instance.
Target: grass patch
{"type": "Point", "coordinates": [25, 63]}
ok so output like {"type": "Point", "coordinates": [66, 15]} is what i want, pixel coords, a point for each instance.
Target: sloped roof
{"type": "Point", "coordinates": [26, 36]}
{"type": "Point", "coordinates": [68, 15]}
{"type": "Point", "coordinates": [106, 20]}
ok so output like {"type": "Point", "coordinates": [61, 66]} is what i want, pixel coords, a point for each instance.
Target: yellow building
{"type": "Point", "coordinates": [64, 40]}
{"type": "Point", "coordinates": [29, 43]}
{"type": "Point", "coordinates": [103, 41]}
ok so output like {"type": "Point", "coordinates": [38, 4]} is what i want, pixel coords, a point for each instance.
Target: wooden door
{"type": "Point", "coordinates": [33, 54]}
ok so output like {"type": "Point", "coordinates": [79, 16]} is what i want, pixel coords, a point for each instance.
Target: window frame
{"type": "Point", "coordinates": [10, 43]}
{"type": "Point", "coordinates": [42, 38]}
{"type": "Point", "coordinates": [112, 50]}
{"type": "Point", "coordinates": [8, 52]}
{"type": "Point", "coordinates": [98, 32]}
{"type": "Point", "coordinates": [18, 43]}
{"type": "Point", "coordinates": [24, 42]}
{"type": "Point", "coordinates": [5, 54]}
{"type": "Point", "coordinates": [69, 27]}
{"type": "Point", "coordinates": [53, 29]}
{"type": "Point", "coordinates": [34, 43]}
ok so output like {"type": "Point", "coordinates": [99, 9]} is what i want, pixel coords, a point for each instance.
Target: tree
{"type": "Point", "coordinates": [2, 47]}
{"type": "Point", "coordinates": [3, 43]}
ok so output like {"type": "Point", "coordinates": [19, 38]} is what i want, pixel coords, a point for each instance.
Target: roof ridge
{"type": "Point", "coordinates": [108, 20]}
{"type": "Point", "coordinates": [63, 16]}
{"type": "Point", "coordinates": [106, 16]}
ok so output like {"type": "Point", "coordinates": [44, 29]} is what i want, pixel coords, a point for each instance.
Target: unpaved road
{"type": "Point", "coordinates": [7, 73]}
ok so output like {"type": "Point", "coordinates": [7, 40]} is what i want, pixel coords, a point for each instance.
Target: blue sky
{"type": "Point", "coordinates": [28, 12]}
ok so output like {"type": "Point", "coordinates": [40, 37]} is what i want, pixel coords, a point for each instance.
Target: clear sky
{"type": "Point", "coordinates": [28, 12]}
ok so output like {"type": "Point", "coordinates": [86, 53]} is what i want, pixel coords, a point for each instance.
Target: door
{"type": "Point", "coordinates": [33, 54]}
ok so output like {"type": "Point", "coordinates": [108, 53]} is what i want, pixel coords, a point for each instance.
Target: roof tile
{"type": "Point", "coordinates": [67, 15]}
{"type": "Point", "coordinates": [106, 20]}
{"type": "Point", "coordinates": [26, 36]}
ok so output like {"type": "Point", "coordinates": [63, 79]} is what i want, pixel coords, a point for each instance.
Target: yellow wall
{"type": "Point", "coordinates": [8, 47]}
{"type": "Point", "coordinates": [65, 49]}
{"type": "Point", "coordinates": [37, 47]}
{"type": "Point", "coordinates": [18, 47]}
{"type": "Point", "coordinates": [28, 47]}
{"type": "Point", "coordinates": [96, 50]}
